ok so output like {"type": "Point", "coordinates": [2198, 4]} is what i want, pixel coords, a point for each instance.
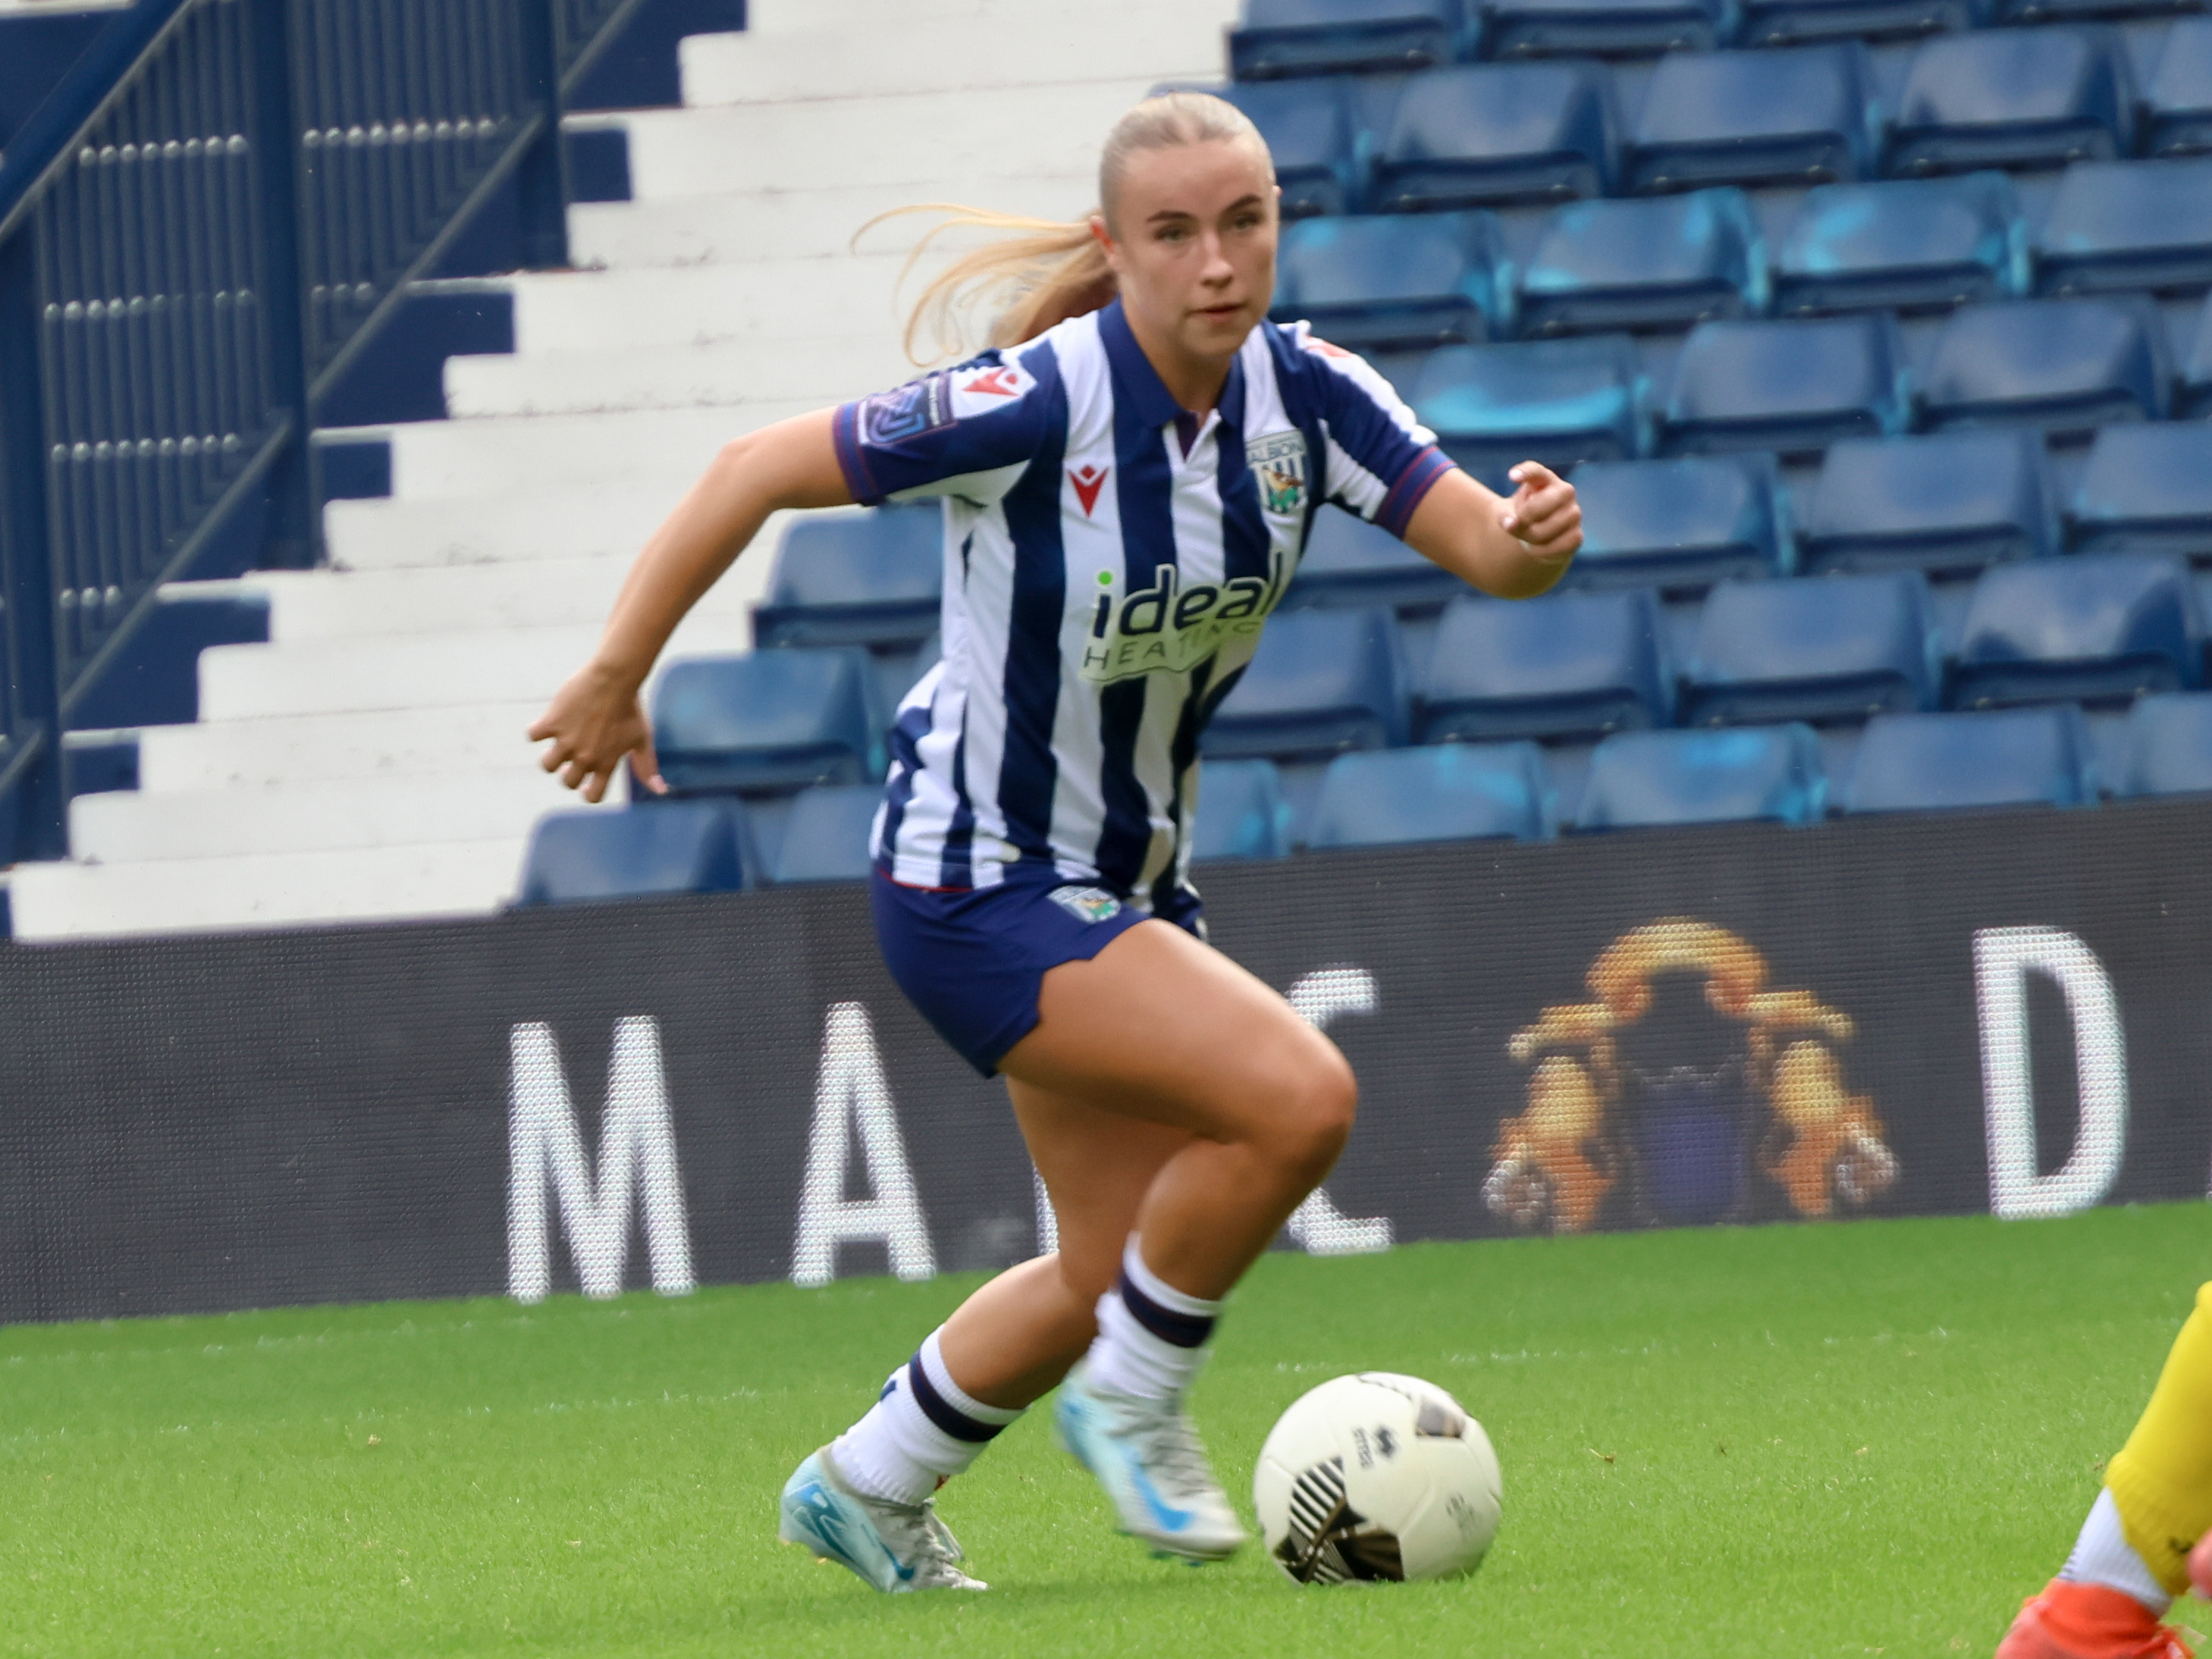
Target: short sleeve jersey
{"type": "Point", "coordinates": [1104, 590]}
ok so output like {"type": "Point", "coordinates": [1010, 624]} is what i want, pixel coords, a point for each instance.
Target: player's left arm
{"type": "Point", "coordinates": [1511, 548]}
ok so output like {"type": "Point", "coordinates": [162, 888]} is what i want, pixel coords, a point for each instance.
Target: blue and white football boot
{"type": "Point", "coordinates": [898, 1547]}
{"type": "Point", "coordinates": [1146, 1456]}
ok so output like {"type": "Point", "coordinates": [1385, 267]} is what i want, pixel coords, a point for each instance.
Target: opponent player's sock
{"type": "Point", "coordinates": [2162, 1479]}
{"type": "Point", "coordinates": [2102, 1555]}
{"type": "Point", "coordinates": [1151, 1336]}
{"type": "Point", "coordinates": [923, 1430]}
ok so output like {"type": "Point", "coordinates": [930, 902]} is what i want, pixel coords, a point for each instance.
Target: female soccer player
{"type": "Point", "coordinates": [1128, 481]}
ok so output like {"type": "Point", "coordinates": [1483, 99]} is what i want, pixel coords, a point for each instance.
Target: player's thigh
{"type": "Point", "coordinates": [1097, 1166]}
{"type": "Point", "coordinates": [1162, 1027]}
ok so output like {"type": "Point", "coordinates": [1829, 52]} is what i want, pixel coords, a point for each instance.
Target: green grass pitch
{"type": "Point", "coordinates": [1821, 1440]}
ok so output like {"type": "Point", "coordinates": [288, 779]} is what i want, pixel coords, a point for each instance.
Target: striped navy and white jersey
{"type": "Point", "coordinates": [1104, 586]}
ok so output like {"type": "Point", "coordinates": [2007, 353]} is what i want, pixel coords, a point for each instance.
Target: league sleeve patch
{"type": "Point", "coordinates": [907, 411]}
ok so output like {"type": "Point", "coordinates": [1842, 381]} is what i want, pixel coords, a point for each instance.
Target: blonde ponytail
{"type": "Point", "coordinates": [1042, 272]}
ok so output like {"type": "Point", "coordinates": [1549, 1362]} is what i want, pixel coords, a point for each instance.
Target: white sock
{"type": "Point", "coordinates": [1151, 1337]}
{"type": "Point", "coordinates": [923, 1430]}
{"type": "Point", "coordinates": [2102, 1555]}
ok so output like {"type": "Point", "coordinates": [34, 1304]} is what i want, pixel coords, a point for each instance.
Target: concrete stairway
{"type": "Point", "coordinates": [369, 762]}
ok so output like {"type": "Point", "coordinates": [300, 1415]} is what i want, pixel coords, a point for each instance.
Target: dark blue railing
{"type": "Point", "coordinates": [203, 231]}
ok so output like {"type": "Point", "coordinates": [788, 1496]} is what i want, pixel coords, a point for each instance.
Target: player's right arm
{"type": "Point", "coordinates": [596, 719]}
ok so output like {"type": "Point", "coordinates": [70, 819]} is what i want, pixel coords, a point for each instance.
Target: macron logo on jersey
{"type": "Point", "coordinates": [1088, 482]}
{"type": "Point", "coordinates": [1168, 626]}
{"type": "Point", "coordinates": [993, 385]}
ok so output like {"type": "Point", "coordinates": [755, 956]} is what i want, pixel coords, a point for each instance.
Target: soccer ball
{"type": "Point", "coordinates": [1376, 1476]}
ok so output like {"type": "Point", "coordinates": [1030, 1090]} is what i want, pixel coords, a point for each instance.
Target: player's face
{"type": "Point", "coordinates": [1194, 245]}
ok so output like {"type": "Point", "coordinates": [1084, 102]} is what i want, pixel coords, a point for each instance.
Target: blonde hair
{"type": "Point", "coordinates": [1042, 272]}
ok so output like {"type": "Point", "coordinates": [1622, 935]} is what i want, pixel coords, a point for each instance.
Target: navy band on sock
{"type": "Point", "coordinates": [1184, 1330]}
{"type": "Point", "coordinates": [940, 1411]}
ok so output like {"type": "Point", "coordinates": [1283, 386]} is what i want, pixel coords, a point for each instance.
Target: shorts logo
{"type": "Point", "coordinates": [1278, 463]}
{"type": "Point", "coordinates": [1087, 903]}
{"type": "Point", "coordinates": [1088, 482]}
{"type": "Point", "coordinates": [907, 411]}
{"type": "Point", "coordinates": [995, 383]}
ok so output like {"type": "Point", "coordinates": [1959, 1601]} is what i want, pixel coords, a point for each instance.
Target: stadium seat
{"type": "Point", "coordinates": [1349, 561]}
{"type": "Point", "coordinates": [1555, 401]}
{"type": "Point", "coordinates": [1838, 649]}
{"type": "Point", "coordinates": [2146, 489]}
{"type": "Point", "coordinates": [1662, 264]}
{"type": "Point", "coordinates": [2194, 397]}
{"type": "Point", "coordinates": [1797, 116]}
{"type": "Point", "coordinates": [1397, 282]}
{"type": "Point", "coordinates": [1946, 504]}
{"type": "Point", "coordinates": [1566, 666]}
{"type": "Point", "coordinates": [2063, 365]}
{"type": "Point", "coordinates": [2015, 98]}
{"type": "Point", "coordinates": [1444, 791]}
{"type": "Point", "coordinates": [1308, 128]}
{"type": "Point", "coordinates": [825, 838]}
{"type": "Point", "coordinates": [1618, 28]}
{"type": "Point", "coordinates": [1903, 245]}
{"type": "Point", "coordinates": [1931, 762]}
{"type": "Point", "coordinates": [1770, 772]}
{"type": "Point", "coordinates": [1792, 386]}
{"type": "Point", "coordinates": [1678, 526]}
{"type": "Point", "coordinates": [1797, 22]}
{"type": "Point", "coordinates": [2128, 225]}
{"type": "Point", "coordinates": [857, 579]}
{"type": "Point", "coordinates": [2178, 110]}
{"type": "Point", "coordinates": [2166, 746]}
{"type": "Point", "coordinates": [1241, 812]}
{"type": "Point", "coordinates": [767, 722]}
{"type": "Point", "coordinates": [1322, 682]}
{"type": "Point", "coordinates": [1276, 38]}
{"type": "Point", "coordinates": [2097, 628]}
{"type": "Point", "coordinates": [591, 854]}
{"type": "Point", "coordinates": [1486, 133]}
{"type": "Point", "coordinates": [2049, 11]}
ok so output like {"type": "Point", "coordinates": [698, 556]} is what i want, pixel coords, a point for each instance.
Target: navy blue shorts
{"type": "Point", "coordinates": [973, 960]}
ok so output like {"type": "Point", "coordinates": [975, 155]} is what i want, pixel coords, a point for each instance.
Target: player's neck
{"type": "Point", "coordinates": [1194, 382]}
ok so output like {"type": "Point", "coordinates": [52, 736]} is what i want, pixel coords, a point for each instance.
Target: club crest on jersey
{"type": "Point", "coordinates": [1173, 628]}
{"type": "Point", "coordinates": [1087, 903]}
{"type": "Point", "coordinates": [1278, 463]}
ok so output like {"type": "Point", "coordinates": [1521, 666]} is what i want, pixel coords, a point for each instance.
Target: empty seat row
{"type": "Point", "coordinates": [1386, 282]}
{"type": "Point", "coordinates": [1277, 39]}
{"type": "Point", "coordinates": [1481, 135]}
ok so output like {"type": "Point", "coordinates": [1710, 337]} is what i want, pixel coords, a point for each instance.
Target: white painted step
{"type": "Point", "coordinates": [834, 297]}
{"type": "Point", "coordinates": [425, 881]}
{"type": "Point", "coordinates": [391, 533]}
{"type": "Point", "coordinates": [374, 744]}
{"type": "Point", "coordinates": [332, 605]}
{"type": "Point", "coordinates": [645, 452]}
{"type": "Point", "coordinates": [728, 373]}
{"type": "Point", "coordinates": [975, 18]}
{"type": "Point", "coordinates": [1138, 39]}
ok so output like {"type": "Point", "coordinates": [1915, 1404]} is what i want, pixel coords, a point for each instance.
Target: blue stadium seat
{"type": "Point", "coordinates": [2059, 12]}
{"type": "Point", "coordinates": [2097, 628]}
{"type": "Point", "coordinates": [1349, 561]}
{"type": "Point", "coordinates": [2146, 489]}
{"type": "Point", "coordinates": [593, 855]}
{"type": "Point", "coordinates": [2128, 225]}
{"type": "Point", "coordinates": [1618, 28]}
{"type": "Point", "coordinates": [2063, 365]}
{"type": "Point", "coordinates": [1905, 244]}
{"type": "Point", "coordinates": [1770, 772]}
{"type": "Point", "coordinates": [2015, 98]}
{"type": "Point", "coordinates": [1793, 386]}
{"type": "Point", "coordinates": [1276, 37]}
{"type": "Point", "coordinates": [825, 838]}
{"type": "Point", "coordinates": [1795, 22]}
{"type": "Point", "coordinates": [1566, 666]}
{"type": "Point", "coordinates": [1486, 133]}
{"type": "Point", "coordinates": [767, 722]}
{"type": "Point", "coordinates": [1837, 649]}
{"type": "Point", "coordinates": [1798, 116]}
{"type": "Point", "coordinates": [1555, 401]}
{"type": "Point", "coordinates": [1931, 763]}
{"type": "Point", "coordinates": [1322, 682]}
{"type": "Point", "coordinates": [1679, 526]}
{"type": "Point", "coordinates": [1945, 504]}
{"type": "Point", "coordinates": [2178, 110]}
{"type": "Point", "coordinates": [2166, 746]}
{"type": "Point", "coordinates": [1662, 264]}
{"type": "Point", "coordinates": [857, 579]}
{"type": "Point", "coordinates": [1241, 812]}
{"type": "Point", "coordinates": [1444, 791]}
{"type": "Point", "coordinates": [2194, 397]}
{"type": "Point", "coordinates": [1397, 282]}
{"type": "Point", "coordinates": [1309, 128]}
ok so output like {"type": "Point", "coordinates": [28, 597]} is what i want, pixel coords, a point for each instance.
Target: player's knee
{"type": "Point", "coordinates": [1316, 1116]}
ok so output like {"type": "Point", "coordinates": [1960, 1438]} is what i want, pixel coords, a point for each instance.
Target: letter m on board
{"type": "Point", "coordinates": [547, 1161]}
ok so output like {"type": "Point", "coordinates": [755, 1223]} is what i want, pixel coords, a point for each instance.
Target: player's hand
{"type": "Point", "coordinates": [594, 720]}
{"type": "Point", "coordinates": [1543, 514]}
